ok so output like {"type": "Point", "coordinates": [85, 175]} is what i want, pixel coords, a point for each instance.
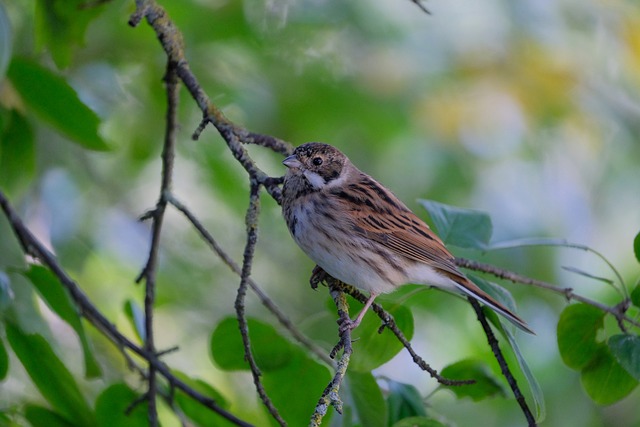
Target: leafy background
{"type": "Point", "coordinates": [527, 110]}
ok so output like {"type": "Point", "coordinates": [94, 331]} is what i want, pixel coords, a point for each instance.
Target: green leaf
{"type": "Point", "coordinates": [5, 421]}
{"type": "Point", "coordinates": [500, 294]}
{"type": "Point", "coordinates": [197, 413]}
{"type": "Point", "coordinates": [4, 361]}
{"type": "Point", "coordinates": [60, 26]}
{"type": "Point", "coordinates": [270, 349]}
{"type": "Point", "coordinates": [465, 228]}
{"type": "Point", "coordinates": [626, 349]}
{"type": "Point", "coordinates": [419, 422]}
{"type": "Point", "coordinates": [588, 275]}
{"type": "Point", "coordinates": [486, 384]}
{"type": "Point", "coordinates": [577, 330]}
{"type": "Point", "coordinates": [57, 298]}
{"type": "Point", "coordinates": [604, 380]}
{"type": "Point", "coordinates": [51, 97]}
{"type": "Point", "coordinates": [636, 246]}
{"type": "Point", "coordinates": [296, 386]}
{"type": "Point", "coordinates": [403, 401]}
{"type": "Point", "coordinates": [635, 295]}
{"type": "Point", "coordinates": [43, 417]}
{"type": "Point", "coordinates": [113, 408]}
{"type": "Point", "coordinates": [373, 349]}
{"type": "Point", "coordinates": [534, 386]}
{"type": "Point", "coordinates": [136, 317]}
{"type": "Point", "coordinates": [292, 380]}
{"type": "Point", "coordinates": [367, 399]}
{"type": "Point", "coordinates": [49, 375]}
{"type": "Point", "coordinates": [17, 153]}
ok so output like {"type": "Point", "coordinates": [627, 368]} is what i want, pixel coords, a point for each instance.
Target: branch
{"type": "Point", "coordinates": [330, 396]}
{"type": "Point", "coordinates": [389, 322]}
{"type": "Point", "coordinates": [33, 247]}
{"type": "Point", "coordinates": [171, 40]}
{"type": "Point", "coordinates": [618, 311]}
{"type": "Point", "coordinates": [157, 215]}
{"type": "Point", "coordinates": [249, 249]}
{"type": "Point", "coordinates": [262, 296]}
{"type": "Point", "coordinates": [504, 367]}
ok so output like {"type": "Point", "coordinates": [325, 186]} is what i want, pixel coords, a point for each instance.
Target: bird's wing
{"type": "Point", "coordinates": [376, 214]}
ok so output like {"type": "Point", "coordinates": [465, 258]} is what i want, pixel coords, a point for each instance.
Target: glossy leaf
{"type": "Point", "coordinates": [577, 330]}
{"type": "Point", "coordinates": [17, 153]}
{"type": "Point", "coordinates": [113, 408]}
{"type": "Point", "coordinates": [270, 349]}
{"type": "Point", "coordinates": [486, 385]}
{"type": "Point", "coordinates": [51, 97]}
{"type": "Point", "coordinates": [499, 293]}
{"type": "Point", "coordinates": [636, 246]}
{"type": "Point", "coordinates": [588, 275]}
{"type": "Point", "coordinates": [604, 380]}
{"type": "Point", "coordinates": [419, 422]}
{"type": "Point", "coordinates": [57, 298]}
{"type": "Point", "coordinates": [404, 401]}
{"type": "Point", "coordinates": [626, 349]}
{"type": "Point", "coordinates": [372, 349]}
{"type": "Point", "coordinates": [534, 386]}
{"type": "Point", "coordinates": [367, 399]}
{"type": "Point", "coordinates": [43, 417]}
{"type": "Point", "coordinates": [197, 413]}
{"type": "Point", "coordinates": [296, 386]}
{"type": "Point", "coordinates": [60, 26]}
{"type": "Point", "coordinates": [4, 361]}
{"type": "Point", "coordinates": [292, 379]}
{"type": "Point", "coordinates": [50, 376]}
{"type": "Point", "coordinates": [465, 228]}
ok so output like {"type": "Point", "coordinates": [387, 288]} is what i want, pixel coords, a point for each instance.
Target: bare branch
{"type": "Point", "coordinates": [618, 311]}
{"type": "Point", "coordinates": [255, 287]}
{"type": "Point", "coordinates": [157, 215]}
{"type": "Point", "coordinates": [330, 396]}
{"type": "Point", "coordinates": [251, 221]}
{"type": "Point", "coordinates": [32, 246]}
{"type": "Point", "coordinates": [504, 367]}
{"type": "Point", "coordinates": [389, 322]}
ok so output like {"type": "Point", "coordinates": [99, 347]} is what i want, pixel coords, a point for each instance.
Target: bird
{"type": "Point", "coordinates": [360, 233]}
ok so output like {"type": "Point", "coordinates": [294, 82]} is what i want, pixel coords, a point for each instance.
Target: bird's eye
{"type": "Point", "coordinates": [317, 161]}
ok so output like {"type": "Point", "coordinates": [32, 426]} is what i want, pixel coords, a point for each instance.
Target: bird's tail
{"type": "Point", "coordinates": [471, 289]}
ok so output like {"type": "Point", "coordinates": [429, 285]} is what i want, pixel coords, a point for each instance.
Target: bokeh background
{"type": "Point", "coordinates": [528, 110]}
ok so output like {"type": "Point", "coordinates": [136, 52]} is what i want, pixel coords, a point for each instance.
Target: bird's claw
{"type": "Point", "coordinates": [318, 275]}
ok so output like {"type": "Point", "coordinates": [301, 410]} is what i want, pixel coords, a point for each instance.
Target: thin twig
{"type": "Point", "coordinates": [149, 271]}
{"type": "Point", "coordinates": [504, 367]}
{"type": "Point", "coordinates": [331, 394]}
{"type": "Point", "coordinates": [421, 6]}
{"type": "Point", "coordinates": [255, 287]}
{"type": "Point", "coordinates": [171, 40]}
{"type": "Point", "coordinates": [389, 322]}
{"type": "Point", "coordinates": [33, 247]}
{"type": "Point", "coordinates": [618, 311]}
{"type": "Point", "coordinates": [247, 262]}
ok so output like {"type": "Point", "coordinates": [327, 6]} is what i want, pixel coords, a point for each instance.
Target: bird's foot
{"type": "Point", "coordinates": [318, 275]}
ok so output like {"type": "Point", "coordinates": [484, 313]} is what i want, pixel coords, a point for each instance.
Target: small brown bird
{"type": "Point", "coordinates": [360, 233]}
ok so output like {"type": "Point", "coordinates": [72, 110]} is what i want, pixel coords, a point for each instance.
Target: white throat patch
{"type": "Point", "coordinates": [314, 179]}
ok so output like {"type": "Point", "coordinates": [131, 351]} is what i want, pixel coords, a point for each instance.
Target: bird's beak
{"type": "Point", "coordinates": [292, 162]}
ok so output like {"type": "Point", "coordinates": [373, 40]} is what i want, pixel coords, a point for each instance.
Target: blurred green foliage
{"type": "Point", "coordinates": [527, 110]}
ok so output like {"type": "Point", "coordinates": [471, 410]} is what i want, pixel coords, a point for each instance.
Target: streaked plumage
{"type": "Point", "coordinates": [360, 233]}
